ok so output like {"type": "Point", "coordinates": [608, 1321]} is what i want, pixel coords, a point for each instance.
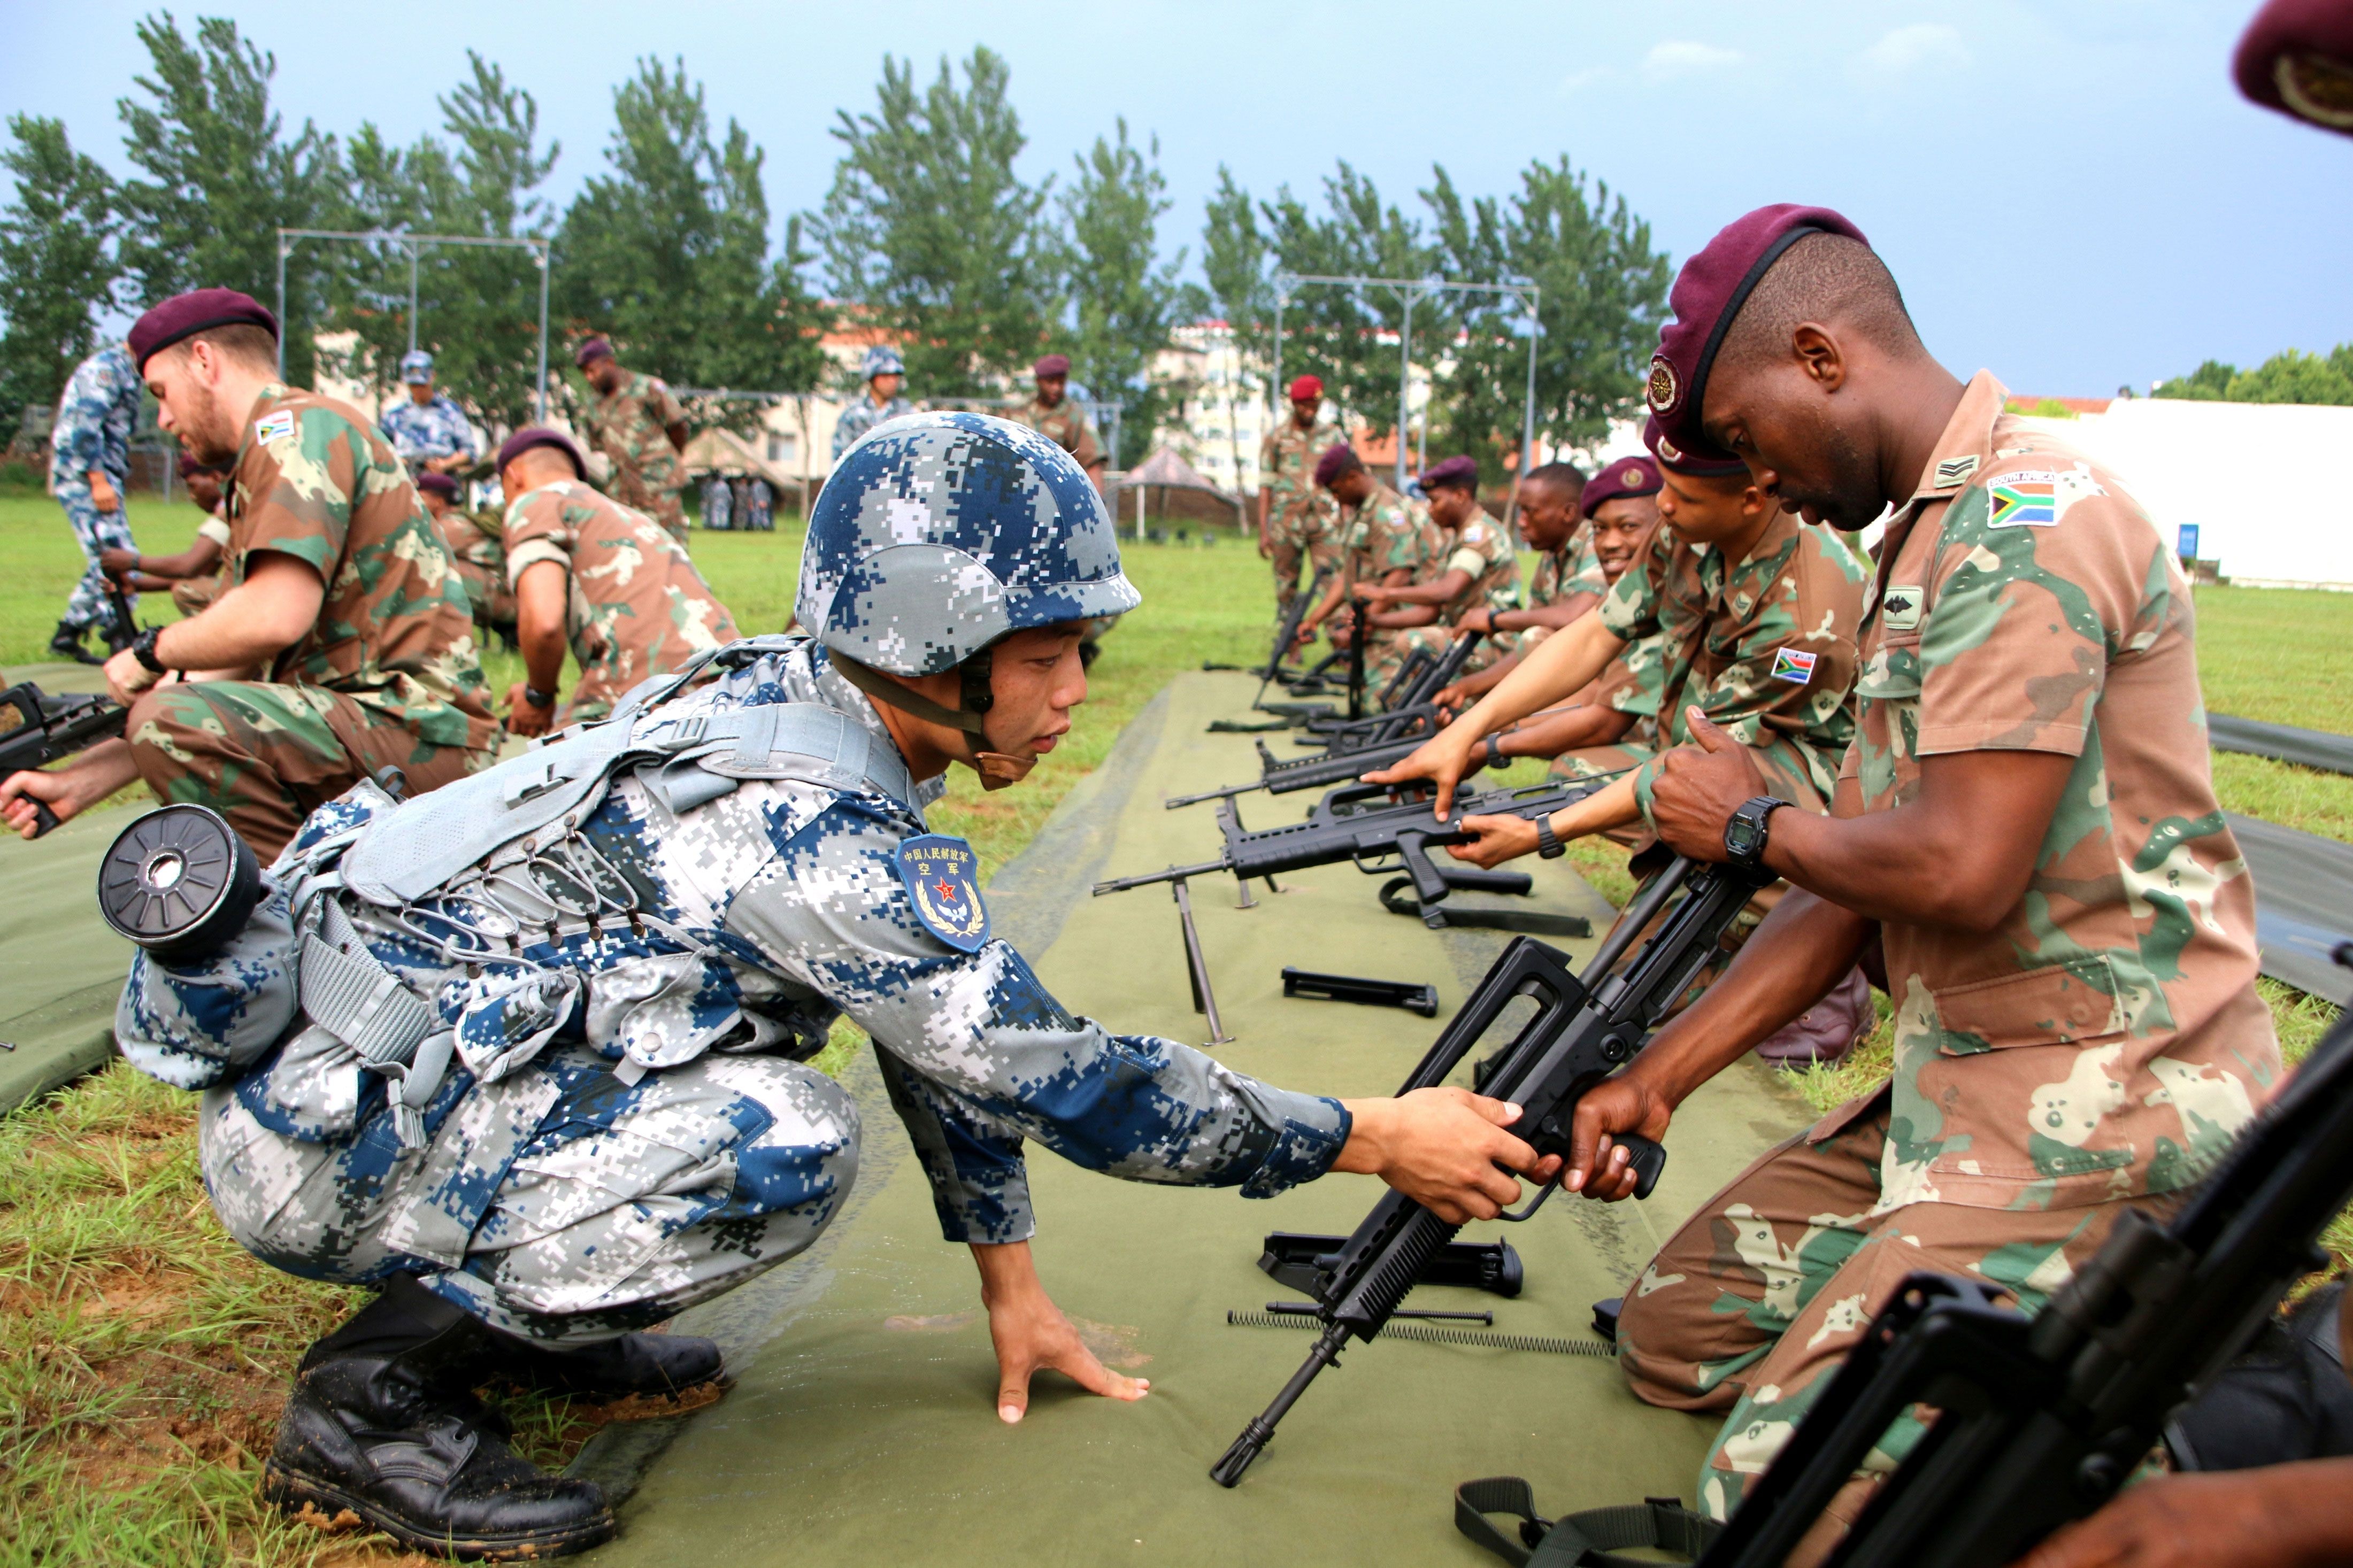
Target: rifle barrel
{"type": "Point", "coordinates": [1121, 884]}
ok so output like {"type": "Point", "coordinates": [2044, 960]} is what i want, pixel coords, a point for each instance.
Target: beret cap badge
{"type": "Point", "coordinates": [1663, 387]}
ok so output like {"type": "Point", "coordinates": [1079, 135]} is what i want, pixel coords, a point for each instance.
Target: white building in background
{"type": "Point", "coordinates": [1223, 418]}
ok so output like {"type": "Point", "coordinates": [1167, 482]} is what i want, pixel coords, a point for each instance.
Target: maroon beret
{"type": "Point", "coordinates": [1305, 388]}
{"type": "Point", "coordinates": [531, 436]}
{"type": "Point", "coordinates": [183, 316]}
{"type": "Point", "coordinates": [441, 485]}
{"type": "Point", "coordinates": [1710, 464]}
{"type": "Point", "coordinates": [1462, 473]}
{"type": "Point", "coordinates": [1707, 297]}
{"type": "Point", "coordinates": [2297, 58]}
{"type": "Point", "coordinates": [592, 351]}
{"type": "Point", "coordinates": [190, 466]}
{"type": "Point", "coordinates": [1052, 364]}
{"type": "Point", "coordinates": [1619, 477]}
{"type": "Point", "coordinates": [1337, 460]}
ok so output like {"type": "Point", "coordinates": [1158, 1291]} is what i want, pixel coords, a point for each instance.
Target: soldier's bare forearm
{"type": "Point", "coordinates": [1802, 949]}
{"type": "Point", "coordinates": [251, 624]}
{"type": "Point", "coordinates": [1552, 616]}
{"type": "Point", "coordinates": [1555, 669]}
{"type": "Point", "coordinates": [1550, 734]}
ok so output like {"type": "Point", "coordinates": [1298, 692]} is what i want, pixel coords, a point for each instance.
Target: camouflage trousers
{"type": "Point", "coordinates": [1760, 1294]}
{"type": "Point", "coordinates": [662, 505]}
{"type": "Point", "coordinates": [94, 530]}
{"type": "Point", "coordinates": [266, 755]}
{"type": "Point", "coordinates": [1433, 642]}
{"type": "Point", "coordinates": [494, 602]}
{"type": "Point", "coordinates": [193, 595]}
{"type": "Point", "coordinates": [1288, 544]}
{"type": "Point", "coordinates": [620, 1206]}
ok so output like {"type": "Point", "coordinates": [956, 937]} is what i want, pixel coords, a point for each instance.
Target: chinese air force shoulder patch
{"type": "Point", "coordinates": [941, 876]}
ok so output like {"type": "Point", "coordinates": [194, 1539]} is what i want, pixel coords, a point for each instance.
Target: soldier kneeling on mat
{"type": "Point", "coordinates": [529, 1052]}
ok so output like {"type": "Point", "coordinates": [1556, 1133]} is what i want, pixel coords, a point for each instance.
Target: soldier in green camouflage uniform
{"type": "Point", "coordinates": [637, 424]}
{"type": "Point", "coordinates": [478, 552]}
{"type": "Point", "coordinates": [2026, 833]}
{"type": "Point", "coordinates": [385, 673]}
{"type": "Point", "coordinates": [632, 604]}
{"type": "Point", "coordinates": [1297, 520]}
{"type": "Point", "coordinates": [1474, 570]}
{"type": "Point", "coordinates": [1386, 539]}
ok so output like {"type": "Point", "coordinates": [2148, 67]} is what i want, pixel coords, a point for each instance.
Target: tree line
{"type": "Point", "coordinates": [928, 234]}
{"type": "Point", "coordinates": [2289, 376]}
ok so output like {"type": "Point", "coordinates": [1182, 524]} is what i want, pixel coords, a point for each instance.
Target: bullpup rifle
{"type": "Point", "coordinates": [1585, 1027]}
{"type": "Point", "coordinates": [37, 729]}
{"type": "Point", "coordinates": [1369, 825]}
{"type": "Point", "coordinates": [2039, 1422]}
{"type": "Point", "coordinates": [1288, 775]}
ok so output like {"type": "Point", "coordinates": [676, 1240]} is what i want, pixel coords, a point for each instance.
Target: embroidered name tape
{"type": "Point", "coordinates": [278, 426]}
{"type": "Point", "coordinates": [1793, 666]}
{"type": "Point", "coordinates": [1900, 610]}
{"type": "Point", "coordinates": [941, 878]}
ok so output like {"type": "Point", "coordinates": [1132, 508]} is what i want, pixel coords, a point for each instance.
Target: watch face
{"type": "Point", "coordinates": [1741, 837]}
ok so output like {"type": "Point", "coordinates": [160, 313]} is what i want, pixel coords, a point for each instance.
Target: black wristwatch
{"type": "Point", "coordinates": [1548, 844]}
{"type": "Point", "coordinates": [1745, 835]}
{"type": "Point", "coordinates": [142, 648]}
{"type": "Point", "coordinates": [536, 698]}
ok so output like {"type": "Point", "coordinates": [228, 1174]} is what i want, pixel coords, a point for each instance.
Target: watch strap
{"type": "Point", "coordinates": [1548, 844]}
{"type": "Point", "coordinates": [142, 648]}
{"type": "Point", "coordinates": [1754, 812]}
{"type": "Point", "coordinates": [536, 698]}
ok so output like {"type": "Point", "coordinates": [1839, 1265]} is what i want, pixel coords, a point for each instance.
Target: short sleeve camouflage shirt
{"type": "Point", "coordinates": [631, 426]}
{"type": "Point", "coordinates": [1388, 531]}
{"type": "Point", "coordinates": [1574, 568]}
{"type": "Point", "coordinates": [1286, 468]}
{"type": "Point", "coordinates": [316, 481]}
{"type": "Point", "coordinates": [1482, 549]}
{"type": "Point", "coordinates": [637, 605]}
{"type": "Point", "coordinates": [1065, 424]}
{"type": "Point", "coordinates": [2105, 1039]}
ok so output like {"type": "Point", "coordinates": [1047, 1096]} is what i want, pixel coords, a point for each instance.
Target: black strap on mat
{"type": "Point", "coordinates": [1589, 1540]}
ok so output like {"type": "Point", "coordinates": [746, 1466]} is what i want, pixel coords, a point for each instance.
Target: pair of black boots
{"type": "Point", "coordinates": [67, 643]}
{"type": "Point", "coordinates": [383, 1423]}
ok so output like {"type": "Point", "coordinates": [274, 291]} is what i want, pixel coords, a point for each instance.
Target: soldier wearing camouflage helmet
{"type": "Point", "coordinates": [606, 963]}
{"type": "Point", "coordinates": [2025, 835]}
{"type": "Point", "coordinates": [341, 642]}
{"type": "Point", "coordinates": [885, 374]}
{"type": "Point", "coordinates": [427, 427]}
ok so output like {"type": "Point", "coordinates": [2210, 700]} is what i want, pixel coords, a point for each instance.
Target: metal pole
{"type": "Point", "coordinates": [1405, 380]}
{"type": "Point", "coordinates": [544, 268]}
{"type": "Point", "coordinates": [1528, 416]}
{"type": "Point", "coordinates": [412, 296]}
{"type": "Point", "coordinates": [1281, 295]}
{"type": "Point", "coordinates": [283, 246]}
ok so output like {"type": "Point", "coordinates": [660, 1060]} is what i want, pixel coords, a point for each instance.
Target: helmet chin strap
{"type": "Point", "coordinates": [996, 769]}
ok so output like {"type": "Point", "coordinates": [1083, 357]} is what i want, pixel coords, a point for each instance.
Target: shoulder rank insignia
{"type": "Point", "coordinates": [1954, 471]}
{"type": "Point", "coordinates": [940, 874]}
{"type": "Point", "coordinates": [1900, 608]}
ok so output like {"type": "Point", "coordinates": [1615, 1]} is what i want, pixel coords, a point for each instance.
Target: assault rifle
{"type": "Point", "coordinates": [1286, 633]}
{"type": "Point", "coordinates": [37, 729]}
{"type": "Point", "coordinates": [1584, 1028]}
{"type": "Point", "coordinates": [1368, 825]}
{"type": "Point", "coordinates": [2039, 1422]}
{"type": "Point", "coordinates": [1288, 775]}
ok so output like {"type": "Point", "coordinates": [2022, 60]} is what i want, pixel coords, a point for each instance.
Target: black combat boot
{"type": "Point", "coordinates": [661, 1365]}
{"type": "Point", "coordinates": [383, 1423]}
{"type": "Point", "coordinates": [65, 643]}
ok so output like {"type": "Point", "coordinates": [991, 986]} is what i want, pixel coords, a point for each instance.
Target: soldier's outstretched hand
{"type": "Point", "coordinates": [1031, 1335]}
{"type": "Point", "coordinates": [1445, 1149]}
{"type": "Point", "coordinates": [1442, 758]}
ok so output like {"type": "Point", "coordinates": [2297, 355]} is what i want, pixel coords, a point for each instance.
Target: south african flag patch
{"type": "Point", "coordinates": [1794, 666]}
{"type": "Point", "coordinates": [2024, 500]}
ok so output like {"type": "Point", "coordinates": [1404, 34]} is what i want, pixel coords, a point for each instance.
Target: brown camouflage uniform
{"type": "Point", "coordinates": [1481, 548]}
{"type": "Point", "coordinates": [479, 552]}
{"type": "Point", "coordinates": [387, 673]}
{"type": "Point", "coordinates": [191, 594]}
{"type": "Point", "coordinates": [631, 426]}
{"type": "Point", "coordinates": [2100, 1046]}
{"type": "Point", "coordinates": [1066, 426]}
{"type": "Point", "coordinates": [1302, 521]}
{"type": "Point", "coordinates": [637, 607]}
{"type": "Point", "coordinates": [1387, 532]}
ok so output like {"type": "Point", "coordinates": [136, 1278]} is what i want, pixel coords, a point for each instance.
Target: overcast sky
{"type": "Point", "coordinates": [2071, 192]}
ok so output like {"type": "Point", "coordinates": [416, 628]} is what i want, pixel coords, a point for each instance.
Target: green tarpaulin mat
{"type": "Point", "coordinates": [861, 1427]}
{"type": "Point", "coordinates": [60, 967]}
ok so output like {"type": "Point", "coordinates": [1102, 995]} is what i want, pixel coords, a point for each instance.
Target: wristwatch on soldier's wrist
{"type": "Point", "coordinates": [1548, 844]}
{"type": "Point", "coordinates": [142, 648]}
{"type": "Point", "coordinates": [536, 698]}
{"type": "Point", "coordinates": [1746, 836]}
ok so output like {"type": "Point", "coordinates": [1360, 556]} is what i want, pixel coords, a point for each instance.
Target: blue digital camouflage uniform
{"type": "Point", "coordinates": [863, 414]}
{"type": "Point", "coordinates": [627, 1125]}
{"type": "Point", "coordinates": [96, 414]}
{"type": "Point", "coordinates": [424, 432]}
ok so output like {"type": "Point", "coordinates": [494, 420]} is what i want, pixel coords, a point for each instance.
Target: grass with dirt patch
{"type": "Point", "coordinates": [143, 1355]}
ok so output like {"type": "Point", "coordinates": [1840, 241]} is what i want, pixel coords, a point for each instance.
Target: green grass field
{"type": "Point", "coordinates": [143, 1355]}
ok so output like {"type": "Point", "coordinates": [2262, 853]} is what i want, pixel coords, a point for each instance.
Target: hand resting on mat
{"type": "Point", "coordinates": [1032, 1336]}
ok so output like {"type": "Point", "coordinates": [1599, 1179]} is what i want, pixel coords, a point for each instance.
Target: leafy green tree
{"type": "Point", "coordinates": [1604, 292]}
{"type": "Point", "coordinates": [2290, 377]}
{"type": "Point", "coordinates": [668, 252]}
{"type": "Point", "coordinates": [477, 306]}
{"type": "Point", "coordinates": [1125, 300]}
{"type": "Point", "coordinates": [1349, 336]}
{"type": "Point", "coordinates": [56, 268]}
{"type": "Point", "coordinates": [929, 229]}
{"type": "Point", "coordinates": [1236, 261]}
{"type": "Point", "coordinates": [220, 178]}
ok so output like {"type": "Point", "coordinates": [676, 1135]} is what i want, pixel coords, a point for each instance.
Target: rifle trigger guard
{"type": "Point", "coordinates": [1546, 1191]}
{"type": "Point", "coordinates": [1383, 864]}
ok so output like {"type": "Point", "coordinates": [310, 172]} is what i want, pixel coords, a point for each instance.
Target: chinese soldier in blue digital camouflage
{"type": "Point", "coordinates": [529, 1052]}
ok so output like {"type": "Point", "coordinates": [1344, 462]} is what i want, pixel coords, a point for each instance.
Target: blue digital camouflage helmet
{"type": "Point", "coordinates": [939, 533]}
